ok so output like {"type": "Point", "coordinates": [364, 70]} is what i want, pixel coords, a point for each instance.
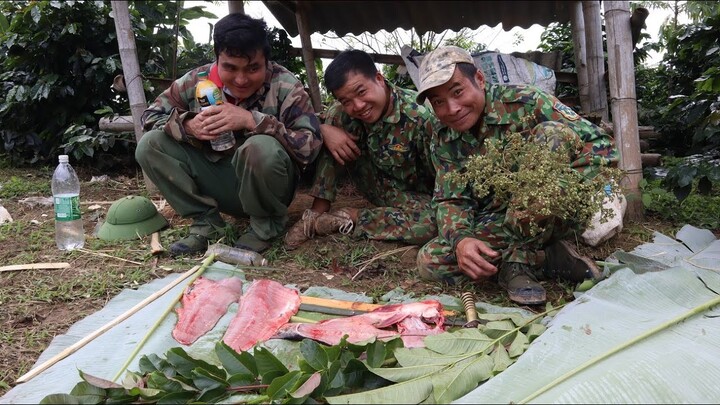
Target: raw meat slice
{"type": "Point", "coordinates": [202, 306]}
{"type": "Point", "coordinates": [410, 320]}
{"type": "Point", "coordinates": [265, 307]}
{"type": "Point", "coordinates": [331, 331]}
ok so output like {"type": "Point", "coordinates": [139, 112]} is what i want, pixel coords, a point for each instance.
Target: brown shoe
{"type": "Point", "coordinates": [330, 222]}
{"type": "Point", "coordinates": [302, 231]}
{"type": "Point", "coordinates": [520, 283]}
{"type": "Point", "coordinates": [564, 262]}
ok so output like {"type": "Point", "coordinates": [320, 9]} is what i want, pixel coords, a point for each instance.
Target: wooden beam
{"type": "Point", "coordinates": [308, 56]}
{"type": "Point", "coordinates": [579, 45]}
{"type": "Point", "coordinates": [624, 103]}
{"type": "Point", "coordinates": [595, 60]}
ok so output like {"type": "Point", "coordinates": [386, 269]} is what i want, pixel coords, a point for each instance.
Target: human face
{"type": "Point", "coordinates": [459, 103]}
{"type": "Point", "coordinates": [242, 76]}
{"type": "Point", "coordinates": [364, 98]}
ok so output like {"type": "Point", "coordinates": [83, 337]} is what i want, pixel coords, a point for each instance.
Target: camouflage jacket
{"type": "Point", "coordinates": [507, 109]}
{"type": "Point", "coordinates": [398, 146]}
{"type": "Point", "coordinates": [281, 108]}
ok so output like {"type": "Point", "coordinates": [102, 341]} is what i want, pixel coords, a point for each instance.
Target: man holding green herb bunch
{"type": "Point", "coordinates": [516, 174]}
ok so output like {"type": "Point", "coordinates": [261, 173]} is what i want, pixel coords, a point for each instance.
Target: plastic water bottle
{"type": "Point", "coordinates": [65, 188]}
{"type": "Point", "coordinates": [233, 255]}
{"type": "Point", "coordinates": [208, 94]}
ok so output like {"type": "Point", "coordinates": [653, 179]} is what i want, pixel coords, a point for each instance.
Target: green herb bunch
{"type": "Point", "coordinates": [533, 176]}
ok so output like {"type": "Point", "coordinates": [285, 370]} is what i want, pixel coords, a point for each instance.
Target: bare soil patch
{"type": "Point", "coordinates": [37, 305]}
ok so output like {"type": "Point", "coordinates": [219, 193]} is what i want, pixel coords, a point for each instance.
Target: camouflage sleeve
{"type": "Point", "coordinates": [296, 126]}
{"type": "Point", "coordinates": [173, 106]}
{"type": "Point", "coordinates": [326, 173]}
{"type": "Point", "coordinates": [599, 147]}
{"type": "Point", "coordinates": [456, 207]}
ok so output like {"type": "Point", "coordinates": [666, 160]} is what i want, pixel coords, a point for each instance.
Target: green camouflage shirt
{"type": "Point", "coordinates": [281, 108]}
{"type": "Point", "coordinates": [507, 109]}
{"type": "Point", "coordinates": [397, 145]}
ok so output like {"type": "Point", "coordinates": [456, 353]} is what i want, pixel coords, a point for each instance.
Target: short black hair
{"type": "Point", "coordinates": [351, 60]}
{"type": "Point", "coordinates": [238, 34]}
{"type": "Point", "coordinates": [468, 70]}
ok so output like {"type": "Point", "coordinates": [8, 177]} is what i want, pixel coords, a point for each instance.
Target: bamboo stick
{"type": "Point", "coordinates": [169, 308]}
{"type": "Point", "coordinates": [34, 266]}
{"type": "Point", "coordinates": [87, 339]}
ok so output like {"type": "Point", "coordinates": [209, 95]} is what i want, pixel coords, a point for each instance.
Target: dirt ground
{"type": "Point", "coordinates": [62, 297]}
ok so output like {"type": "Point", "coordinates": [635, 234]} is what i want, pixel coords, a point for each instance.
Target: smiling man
{"type": "Point", "coordinates": [479, 238]}
{"type": "Point", "coordinates": [277, 136]}
{"type": "Point", "coordinates": [380, 137]}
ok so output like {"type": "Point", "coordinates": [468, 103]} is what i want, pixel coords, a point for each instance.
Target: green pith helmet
{"type": "Point", "coordinates": [131, 217]}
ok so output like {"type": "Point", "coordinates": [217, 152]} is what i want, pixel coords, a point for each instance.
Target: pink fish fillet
{"type": "Point", "coordinates": [202, 306]}
{"type": "Point", "coordinates": [265, 307]}
{"type": "Point", "coordinates": [331, 331]}
{"type": "Point", "coordinates": [410, 320]}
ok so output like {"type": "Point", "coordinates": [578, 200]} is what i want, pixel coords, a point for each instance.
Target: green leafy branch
{"type": "Point", "coordinates": [534, 178]}
{"type": "Point", "coordinates": [257, 377]}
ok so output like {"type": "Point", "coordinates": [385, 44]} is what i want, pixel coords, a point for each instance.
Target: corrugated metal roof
{"type": "Point", "coordinates": [356, 17]}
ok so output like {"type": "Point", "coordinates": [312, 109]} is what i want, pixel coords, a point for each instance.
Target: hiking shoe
{"type": "Point", "coordinates": [251, 241]}
{"type": "Point", "coordinates": [302, 231]}
{"type": "Point", "coordinates": [520, 283]}
{"type": "Point", "coordinates": [330, 222]}
{"type": "Point", "coordinates": [564, 262]}
{"type": "Point", "coordinates": [189, 245]}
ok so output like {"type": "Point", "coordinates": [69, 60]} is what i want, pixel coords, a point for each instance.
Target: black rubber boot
{"type": "Point", "coordinates": [520, 283]}
{"type": "Point", "coordinates": [564, 262]}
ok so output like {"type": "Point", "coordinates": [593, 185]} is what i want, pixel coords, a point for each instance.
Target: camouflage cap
{"type": "Point", "coordinates": [438, 66]}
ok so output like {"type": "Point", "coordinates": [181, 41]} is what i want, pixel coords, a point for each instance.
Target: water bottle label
{"type": "Point", "coordinates": [67, 208]}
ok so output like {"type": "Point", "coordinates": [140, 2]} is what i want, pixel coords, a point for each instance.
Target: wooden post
{"type": "Point", "coordinates": [623, 102]}
{"type": "Point", "coordinates": [581, 67]}
{"type": "Point", "coordinates": [131, 71]}
{"type": "Point", "coordinates": [236, 6]}
{"type": "Point", "coordinates": [595, 59]}
{"type": "Point", "coordinates": [308, 57]}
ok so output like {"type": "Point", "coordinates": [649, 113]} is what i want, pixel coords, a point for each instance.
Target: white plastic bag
{"type": "Point", "coordinates": [597, 232]}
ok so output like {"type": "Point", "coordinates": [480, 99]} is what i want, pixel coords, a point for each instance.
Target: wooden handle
{"type": "Point", "coordinates": [155, 244]}
{"type": "Point", "coordinates": [349, 305]}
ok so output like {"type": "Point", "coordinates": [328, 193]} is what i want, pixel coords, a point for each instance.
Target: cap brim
{"type": "Point", "coordinates": [109, 231]}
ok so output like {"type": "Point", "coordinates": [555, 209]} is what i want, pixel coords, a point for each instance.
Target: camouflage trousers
{"type": "Point", "coordinates": [403, 216]}
{"type": "Point", "coordinates": [408, 218]}
{"type": "Point", "coordinates": [258, 181]}
{"type": "Point", "coordinates": [502, 232]}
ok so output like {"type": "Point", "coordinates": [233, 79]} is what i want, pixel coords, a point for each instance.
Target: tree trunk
{"type": "Point", "coordinates": [131, 71]}
{"type": "Point", "coordinates": [623, 102]}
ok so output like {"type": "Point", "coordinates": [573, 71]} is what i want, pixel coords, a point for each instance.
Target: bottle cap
{"type": "Point", "coordinates": [200, 75]}
{"type": "Point", "coordinates": [63, 158]}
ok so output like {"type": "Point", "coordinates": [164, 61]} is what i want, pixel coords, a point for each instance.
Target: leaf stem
{"type": "Point", "coordinates": [699, 309]}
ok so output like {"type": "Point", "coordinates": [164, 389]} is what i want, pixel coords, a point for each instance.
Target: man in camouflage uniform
{"type": "Point", "coordinates": [378, 135]}
{"type": "Point", "coordinates": [276, 130]}
{"type": "Point", "coordinates": [476, 235]}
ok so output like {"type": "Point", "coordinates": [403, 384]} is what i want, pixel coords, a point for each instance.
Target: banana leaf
{"type": "Point", "coordinates": [647, 334]}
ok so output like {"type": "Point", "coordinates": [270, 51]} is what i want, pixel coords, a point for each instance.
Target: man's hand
{"type": "Point", "coordinates": [341, 144]}
{"type": "Point", "coordinates": [471, 255]}
{"type": "Point", "coordinates": [213, 121]}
